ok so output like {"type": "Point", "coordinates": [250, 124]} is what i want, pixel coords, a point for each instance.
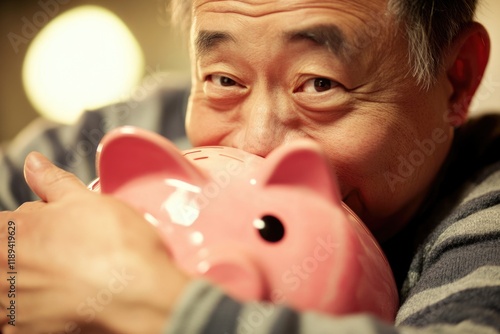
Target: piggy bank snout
{"type": "Point", "coordinates": [236, 274]}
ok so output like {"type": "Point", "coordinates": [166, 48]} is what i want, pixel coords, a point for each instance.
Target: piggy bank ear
{"type": "Point", "coordinates": [301, 164]}
{"type": "Point", "coordinates": [128, 153]}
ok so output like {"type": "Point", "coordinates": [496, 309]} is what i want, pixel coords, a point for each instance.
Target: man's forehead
{"type": "Point", "coordinates": [259, 7]}
{"type": "Point", "coordinates": [318, 23]}
{"type": "Point", "coordinates": [288, 3]}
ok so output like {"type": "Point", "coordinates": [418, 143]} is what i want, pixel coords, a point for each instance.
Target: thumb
{"type": "Point", "coordinates": [49, 182]}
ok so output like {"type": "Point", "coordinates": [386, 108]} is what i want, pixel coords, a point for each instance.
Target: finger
{"type": "Point", "coordinates": [49, 182]}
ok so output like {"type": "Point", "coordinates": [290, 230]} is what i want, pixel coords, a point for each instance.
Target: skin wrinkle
{"type": "Point", "coordinates": [250, 8]}
{"type": "Point", "coordinates": [246, 8]}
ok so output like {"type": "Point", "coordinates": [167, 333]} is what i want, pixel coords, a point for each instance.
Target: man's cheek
{"type": "Point", "coordinates": [203, 129]}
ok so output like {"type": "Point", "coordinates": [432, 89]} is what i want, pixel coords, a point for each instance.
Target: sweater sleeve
{"type": "Point", "coordinates": [454, 278]}
{"type": "Point", "coordinates": [73, 147]}
{"type": "Point", "coordinates": [453, 285]}
{"type": "Point", "coordinates": [205, 309]}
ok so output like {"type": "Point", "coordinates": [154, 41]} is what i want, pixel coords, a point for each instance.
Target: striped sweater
{"type": "Point", "coordinates": [446, 261]}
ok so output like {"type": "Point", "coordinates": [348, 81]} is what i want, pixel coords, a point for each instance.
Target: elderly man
{"type": "Point", "coordinates": [383, 86]}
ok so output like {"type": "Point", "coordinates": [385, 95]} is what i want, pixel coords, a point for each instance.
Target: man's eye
{"type": "Point", "coordinates": [318, 85]}
{"type": "Point", "coordinates": [222, 80]}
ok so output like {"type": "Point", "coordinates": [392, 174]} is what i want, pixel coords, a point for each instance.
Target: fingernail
{"type": "Point", "coordinates": [34, 161]}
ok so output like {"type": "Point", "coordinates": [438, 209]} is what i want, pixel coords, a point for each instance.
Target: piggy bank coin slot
{"type": "Point", "coordinates": [270, 228]}
{"type": "Point", "coordinates": [191, 152]}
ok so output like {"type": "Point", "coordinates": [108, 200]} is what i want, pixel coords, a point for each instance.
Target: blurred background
{"type": "Point", "coordinates": [143, 44]}
{"type": "Point", "coordinates": [37, 38]}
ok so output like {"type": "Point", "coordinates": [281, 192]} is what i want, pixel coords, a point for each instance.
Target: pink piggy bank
{"type": "Point", "coordinates": [270, 229]}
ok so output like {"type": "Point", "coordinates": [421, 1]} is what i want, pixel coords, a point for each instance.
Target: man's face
{"type": "Point", "coordinates": [268, 72]}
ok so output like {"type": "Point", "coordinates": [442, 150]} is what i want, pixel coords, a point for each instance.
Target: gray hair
{"type": "Point", "coordinates": [430, 27]}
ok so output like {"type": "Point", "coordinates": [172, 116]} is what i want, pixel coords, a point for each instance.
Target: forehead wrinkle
{"type": "Point", "coordinates": [327, 35]}
{"type": "Point", "coordinates": [207, 40]}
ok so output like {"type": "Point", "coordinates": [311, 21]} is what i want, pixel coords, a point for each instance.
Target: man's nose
{"type": "Point", "coordinates": [265, 124]}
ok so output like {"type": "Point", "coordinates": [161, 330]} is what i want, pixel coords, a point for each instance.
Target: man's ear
{"type": "Point", "coordinates": [465, 64]}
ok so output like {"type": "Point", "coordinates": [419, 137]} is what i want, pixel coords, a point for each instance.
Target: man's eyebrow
{"type": "Point", "coordinates": [208, 40]}
{"type": "Point", "coordinates": [327, 35]}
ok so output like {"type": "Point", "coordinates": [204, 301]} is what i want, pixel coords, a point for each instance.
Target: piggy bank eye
{"type": "Point", "coordinates": [270, 228]}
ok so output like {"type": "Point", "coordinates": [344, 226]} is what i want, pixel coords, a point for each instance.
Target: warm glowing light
{"type": "Point", "coordinates": [83, 59]}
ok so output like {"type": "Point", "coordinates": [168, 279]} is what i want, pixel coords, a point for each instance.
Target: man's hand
{"type": "Point", "coordinates": [84, 262]}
